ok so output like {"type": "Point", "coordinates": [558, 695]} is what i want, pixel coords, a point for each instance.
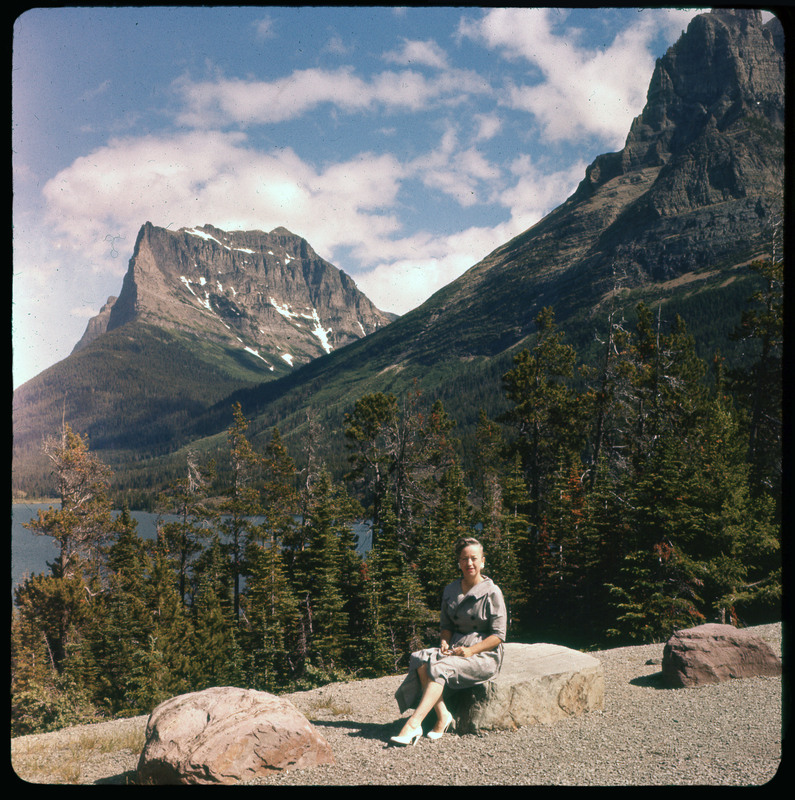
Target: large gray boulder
{"type": "Point", "coordinates": [538, 683]}
{"type": "Point", "coordinates": [227, 735]}
{"type": "Point", "coordinates": [713, 653]}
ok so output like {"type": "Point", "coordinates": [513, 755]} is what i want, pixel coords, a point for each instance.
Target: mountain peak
{"type": "Point", "coordinates": [267, 293]}
{"type": "Point", "coordinates": [697, 186]}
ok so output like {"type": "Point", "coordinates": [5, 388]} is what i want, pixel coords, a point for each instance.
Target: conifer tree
{"type": "Point", "coordinates": [558, 594]}
{"type": "Point", "coordinates": [398, 619]}
{"type": "Point", "coordinates": [730, 539]}
{"type": "Point", "coordinates": [402, 452]}
{"type": "Point", "coordinates": [546, 412]}
{"type": "Point", "coordinates": [760, 387]}
{"type": "Point", "coordinates": [215, 657]}
{"type": "Point", "coordinates": [61, 601]}
{"type": "Point", "coordinates": [657, 589]}
{"type": "Point", "coordinates": [279, 500]}
{"type": "Point", "coordinates": [32, 676]}
{"type": "Point", "coordinates": [368, 430]}
{"type": "Point", "coordinates": [522, 538]}
{"type": "Point", "coordinates": [161, 663]}
{"type": "Point", "coordinates": [187, 499]}
{"type": "Point", "coordinates": [328, 575]}
{"type": "Point", "coordinates": [83, 523]}
{"type": "Point", "coordinates": [241, 502]}
{"type": "Point", "coordinates": [274, 647]}
{"type": "Point", "coordinates": [271, 610]}
{"type": "Point", "coordinates": [452, 519]}
{"type": "Point", "coordinates": [127, 620]}
{"type": "Point", "coordinates": [606, 530]}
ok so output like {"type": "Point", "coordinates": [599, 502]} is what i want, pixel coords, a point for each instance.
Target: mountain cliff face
{"type": "Point", "coordinates": [268, 293]}
{"type": "Point", "coordinates": [96, 326]}
{"type": "Point", "coordinates": [698, 186]}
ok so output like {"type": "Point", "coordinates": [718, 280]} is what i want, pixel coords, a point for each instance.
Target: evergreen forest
{"type": "Point", "coordinates": [616, 502]}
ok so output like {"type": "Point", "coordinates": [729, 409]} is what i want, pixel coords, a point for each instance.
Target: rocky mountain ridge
{"type": "Point", "coordinates": [697, 186]}
{"type": "Point", "coordinates": [268, 292]}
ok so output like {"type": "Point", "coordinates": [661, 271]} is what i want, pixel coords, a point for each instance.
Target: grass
{"type": "Point", "coordinates": [329, 706]}
{"type": "Point", "coordinates": [37, 759]}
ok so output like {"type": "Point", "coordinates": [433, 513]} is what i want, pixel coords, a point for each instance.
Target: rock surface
{"type": "Point", "coordinates": [713, 653]}
{"type": "Point", "coordinates": [226, 735]}
{"type": "Point", "coordinates": [538, 683]}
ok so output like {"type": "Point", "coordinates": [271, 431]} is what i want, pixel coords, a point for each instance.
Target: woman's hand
{"type": "Point", "coordinates": [489, 643]}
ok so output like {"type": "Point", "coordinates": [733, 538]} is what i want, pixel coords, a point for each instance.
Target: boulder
{"type": "Point", "coordinates": [713, 653]}
{"type": "Point", "coordinates": [538, 683]}
{"type": "Point", "coordinates": [227, 735]}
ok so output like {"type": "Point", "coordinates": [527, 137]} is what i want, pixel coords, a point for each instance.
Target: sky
{"type": "Point", "coordinates": [404, 144]}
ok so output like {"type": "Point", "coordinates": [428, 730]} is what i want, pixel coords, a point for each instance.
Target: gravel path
{"type": "Point", "coordinates": [725, 734]}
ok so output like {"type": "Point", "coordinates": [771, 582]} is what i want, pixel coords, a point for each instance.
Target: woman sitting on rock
{"type": "Point", "coordinates": [474, 623]}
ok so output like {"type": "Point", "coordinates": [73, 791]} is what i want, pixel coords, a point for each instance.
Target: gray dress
{"type": "Point", "coordinates": [470, 617]}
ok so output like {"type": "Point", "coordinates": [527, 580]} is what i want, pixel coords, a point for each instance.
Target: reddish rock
{"type": "Point", "coordinates": [713, 653]}
{"type": "Point", "coordinates": [226, 735]}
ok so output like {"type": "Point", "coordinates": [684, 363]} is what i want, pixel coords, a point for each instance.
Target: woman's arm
{"type": "Point", "coordinates": [489, 643]}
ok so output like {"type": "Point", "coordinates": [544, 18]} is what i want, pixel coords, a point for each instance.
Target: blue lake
{"type": "Point", "coordinates": [30, 552]}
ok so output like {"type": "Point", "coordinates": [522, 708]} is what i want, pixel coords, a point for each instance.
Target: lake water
{"type": "Point", "coordinates": [30, 552]}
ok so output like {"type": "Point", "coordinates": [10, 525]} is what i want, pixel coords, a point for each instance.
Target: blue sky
{"type": "Point", "coordinates": [404, 144]}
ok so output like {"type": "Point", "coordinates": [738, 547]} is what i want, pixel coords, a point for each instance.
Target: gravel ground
{"type": "Point", "coordinates": [726, 734]}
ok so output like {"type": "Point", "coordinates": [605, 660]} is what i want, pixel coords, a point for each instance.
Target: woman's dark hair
{"type": "Point", "coordinates": [466, 541]}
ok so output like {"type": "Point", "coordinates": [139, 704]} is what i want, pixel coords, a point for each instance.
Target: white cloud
{"type": "Point", "coordinates": [189, 179]}
{"type": "Point", "coordinates": [428, 264]}
{"type": "Point", "coordinates": [426, 53]}
{"type": "Point", "coordinates": [537, 192]}
{"type": "Point", "coordinates": [263, 29]}
{"type": "Point", "coordinates": [489, 126]}
{"type": "Point", "coordinates": [579, 92]}
{"type": "Point", "coordinates": [230, 101]}
{"type": "Point", "coordinates": [460, 172]}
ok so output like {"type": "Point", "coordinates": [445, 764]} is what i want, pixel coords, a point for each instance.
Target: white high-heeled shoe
{"type": "Point", "coordinates": [410, 738]}
{"type": "Point", "coordinates": [438, 735]}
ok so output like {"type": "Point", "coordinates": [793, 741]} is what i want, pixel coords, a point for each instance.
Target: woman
{"type": "Point", "coordinates": [474, 623]}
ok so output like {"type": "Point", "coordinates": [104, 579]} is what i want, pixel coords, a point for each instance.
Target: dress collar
{"type": "Point", "coordinates": [478, 590]}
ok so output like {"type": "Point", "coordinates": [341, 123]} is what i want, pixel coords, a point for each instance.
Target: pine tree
{"type": "Point", "coordinates": [557, 599]}
{"type": "Point", "coordinates": [546, 412]}
{"type": "Point", "coordinates": [657, 589]}
{"type": "Point", "coordinates": [329, 565]}
{"type": "Point", "coordinates": [369, 430]}
{"type": "Point", "coordinates": [271, 610]}
{"type": "Point", "coordinates": [280, 501]}
{"type": "Point", "coordinates": [161, 664]}
{"type": "Point", "coordinates": [80, 527]}
{"type": "Point", "coordinates": [272, 642]}
{"type": "Point", "coordinates": [606, 531]}
{"type": "Point", "coordinates": [760, 387]}
{"type": "Point", "coordinates": [83, 522]}
{"type": "Point", "coordinates": [241, 502]}
{"type": "Point", "coordinates": [398, 618]}
{"type": "Point", "coordinates": [522, 537]}
{"type": "Point", "coordinates": [187, 499]}
{"type": "Point", "coordinates": [127, 622]}
{"type": "Point", "coordinates": [730, 539]}
{"type": "Point", "coordinates": [215, 657]}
